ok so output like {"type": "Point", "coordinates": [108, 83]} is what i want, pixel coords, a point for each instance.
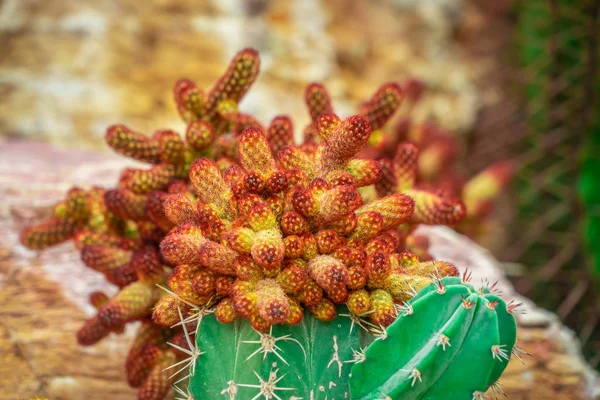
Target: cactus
{"type": "Point", "coordinates": [288, 361]}
{"type": "Point", "coordinates": [451, 341]}
{"type": "Point", "coordinates": [304, 250]}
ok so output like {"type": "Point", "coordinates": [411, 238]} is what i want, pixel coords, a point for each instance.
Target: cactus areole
{"type": "Point", "coordinates": [264, 269]}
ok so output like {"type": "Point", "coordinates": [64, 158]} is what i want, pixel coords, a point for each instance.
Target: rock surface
{"type": "Point", "coordinates": [43, 297]}
{"type": "Point", "coordinates": [71, 67]}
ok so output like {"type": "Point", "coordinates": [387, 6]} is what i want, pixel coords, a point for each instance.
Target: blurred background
{"type": "Point", "coordinates": [511, 80]}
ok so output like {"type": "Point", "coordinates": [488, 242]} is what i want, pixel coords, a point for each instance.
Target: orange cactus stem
{"type": "Point", "coordinates": [317, 101]}
{"type": "Point", "coordinates": [343, 143]}
{"type": "Point", "coordinates": [224, 311]}
{"type": "Point", "coordinates": [144, 181]}
{"type": "Point", "coordinates": [77, 205]}
{"type": "Point", "coordinates": [394, 209]}
{"type": "Point", "coordinates": [139, 368]}
{"type": "Point", "coordinates": [180, 209]}
{"type": "Point", "coordinates": [254, 152]}
{"type": "Point", "coordinates": [405, 166]}
{"type": "Point", "coordinates": [210, 187]}
{"type": "Point", "coordinates": [359, 302]}
{"type": "Point", "coordinates": [432, 209]}
{"type": "Point", "coordinates": [384, 103]}
{"type": "Point", "coordinates": [479, 192]}
{"type": "Point", "coordinates": [328, 272]}
{"type": "Point", "coordinates": [200, 135]}
{"type": "Point", "coordinates": [325, 310]}
{"type": "Point", "coordinates": [155, 209]}
{"type": "Point", "coordinates": [133, 302]}
{"type": "Point", "coordinates": [181, 245]}
{"type": "Point", "coordinates": [272, 304]}
{"type": "Point", "coordinates": [382, 304]}
{"type": "Point", "coordinates": [148, 266]}
{"type": "Point", "coordinates": [238, 78]}
{"type": "Point", "coordinates": [125, 204]}
{"type": "Point", "coordinates": [159, 380]}
{"type": "Point", "coordinates": [49, 233]}
{"type": "Point", "coordinates": [293, 158]}
{"type": "Point", "coordinates": [104, 258]}
{"type": "Point", "coordinates": [190, 100]}
{"type": "Point", "coordinates": [92, 332]}
{"type": "Point", "coordinates": [280, 133]}
{"type": "Point", "coordinates": [364, 172]}
{"type": "Point", "coordinates": [171, 146]}
{"type": "Point", "coordinates": [166, 313]}
{"type": "Point", "coordinates": [133, 144]}
{"type": "Point", "coordinates": [436, 157]}
{"type": "Point", "coordinates": [85, 237]}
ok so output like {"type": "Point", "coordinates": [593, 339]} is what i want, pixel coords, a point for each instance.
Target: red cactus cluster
{"type": "Point", "coordinates": [236, 219]}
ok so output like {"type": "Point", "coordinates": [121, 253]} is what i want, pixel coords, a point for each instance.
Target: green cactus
{"type": "Point", "coordinates": [291, 362]}
{"type": "Point", "coordinates": [451, 341]}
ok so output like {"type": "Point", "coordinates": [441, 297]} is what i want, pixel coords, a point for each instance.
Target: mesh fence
{"type": "Point", "coordinates": [548, 123]}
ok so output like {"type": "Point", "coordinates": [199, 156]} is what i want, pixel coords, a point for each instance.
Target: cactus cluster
{"type": "Point", "coordinates": [261, 239]}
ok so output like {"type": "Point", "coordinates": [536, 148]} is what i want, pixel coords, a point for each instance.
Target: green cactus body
{"type": "Point", "coordinates": [290, 362]}
{"type": "Point", "coordinates": [452, 342]}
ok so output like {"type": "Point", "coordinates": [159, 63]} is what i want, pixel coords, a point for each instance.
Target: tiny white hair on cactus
{"type": "Point", "coordinates": [479, 396]}
{"type": "Point", "coordinates": [336, 357]}
{"type": "Point", "coordinates": [380, 333]}
{"type": "Point", "coordinates": [517, 352]}
{"type": "Point", "coordinates": [437, 279]}
{"type": "Point", "coordinates": [496, 388]}
{"type": "Point", "coordinates": [415, 375]}
{"type": "Point", "coordinates": [515, 308]}
{"type": "Point", "coordinates": [268, 344]}
{"type": "Point", "coordinates": [467, 304]}
{"type": "Point", "coordinates": [442, 340]}
{"type": "Point", "coordinates": [499, 352]}
{"type": "Point", "coordinates": [404, 310]}
{"type": "Point", "coordinates": [268, 388]}
{"type": "Point", "coordinates": [493, 288]}
{"type": "Point", "coordinates": [230, 390]}
{"type": "Point", "coordinates": [196, 312]}
{"type": "Point", "coordinates": [193, 352]}
{"type": "Point", "coordinates": [466, 276]}
{"type": "Point", "coordinates": [185, 395]}
{"type": "Point", "coordinates": [358, 320]}
{"type": "Point", "coordinates": [491, 304]}
{"type": "Point", "coordinates": [358, 356]}
{"type": "Point", "coordinates": [412, 292]}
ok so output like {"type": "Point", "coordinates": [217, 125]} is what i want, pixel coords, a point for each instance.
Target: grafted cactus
{"type": "Point", "coordinates": [291, 258]}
